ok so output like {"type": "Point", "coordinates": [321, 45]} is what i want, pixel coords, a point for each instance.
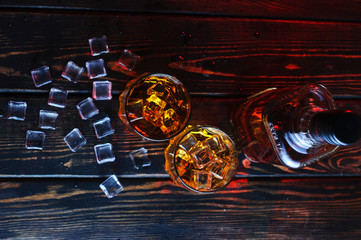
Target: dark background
{"type": "Point", "coordinates": [222, 51]}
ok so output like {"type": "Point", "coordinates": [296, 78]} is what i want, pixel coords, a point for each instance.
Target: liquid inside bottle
{"type": "Point", "coordinates": [278, 126]}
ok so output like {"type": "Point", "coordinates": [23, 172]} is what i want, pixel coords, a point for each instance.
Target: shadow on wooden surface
{"type": "Point", "coordinates": [156, 209]}
{"type": "Point", "coordinates": [208, 54]}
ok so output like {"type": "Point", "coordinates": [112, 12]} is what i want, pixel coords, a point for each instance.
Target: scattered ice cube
{"type": "Point", "coordinates": [47, 119]}
{"type": "Point", "coordinates": [75, 140]}
{"type": "Point", "coordinates": [103, 127]}
{"type": "Point", "coordinates": [95, 68]}
{"type": "Point", "coordinates": [102, 90]}
{"type": "Point", "coordinates": [17, 110]}
{"type": "Point", "coordinates": [57, 98]}
{"type": "Point", "coordinates": [140, 158]}
{"type": "Point", "coordinates": [104, 153]}
{"type": "Point", "coordinates": [35, 140]}
{"type": "Point", "coordinates": [128, 60]}
{"type": "Point", "coordinates": [72, 72]}
{"type": "Point", "coordinates": [98, 45]}
{"type": "Point", "coordinates": [2, 112]}
{"type": "Point", "coordinates": [41, 76]}
{"type": "Point", "coordinates": [189, 141]}
{"type": "Point", "coordinates": [87, 109]}
{"type": "Point", "coordinates": [111, 186]}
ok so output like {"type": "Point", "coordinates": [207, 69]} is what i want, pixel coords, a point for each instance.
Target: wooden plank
{"type": "Point", "coordinates": [208, 54]}
{"type": "Point", "coordinates": [58, 161]}
{"type": "Point", "coordinates": [156, 209]}
{"type": "Point", "coordinates": [322, 9]}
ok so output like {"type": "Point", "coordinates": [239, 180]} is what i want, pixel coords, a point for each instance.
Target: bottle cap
{"type": "Point", "coordinates": [337, 127]}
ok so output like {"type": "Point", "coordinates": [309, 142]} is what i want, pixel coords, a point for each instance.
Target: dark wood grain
{"type": "Point", "coordinates": [156, 209]}
{"type": "Point", "coordinates": [209, 55]}
{"type": "Point", "coordinates": [322, 9]}
{"type": "Point", "coordinates": [57, 159]}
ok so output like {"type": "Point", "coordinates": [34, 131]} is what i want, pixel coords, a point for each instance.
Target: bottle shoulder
{"type": "Point", "coordinates": [272, 125]}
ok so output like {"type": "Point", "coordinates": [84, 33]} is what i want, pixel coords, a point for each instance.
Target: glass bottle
{"type": "Point", "coordinates": [293, 126]}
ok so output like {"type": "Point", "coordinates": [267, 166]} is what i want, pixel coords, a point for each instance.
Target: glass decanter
{"type": "Point", "coordinates": [293, 126]}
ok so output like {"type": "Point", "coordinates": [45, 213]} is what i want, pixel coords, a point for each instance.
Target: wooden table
{"type": "Point", "coordinates": [222, 51]}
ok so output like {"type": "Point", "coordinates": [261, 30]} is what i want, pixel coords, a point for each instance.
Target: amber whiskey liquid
{"type": "Point", "coordinates": [293, 126]}
{"type": "Point", "coordinates": [201, 159]}
{"type": "Point", "coordinates": [155, 106]}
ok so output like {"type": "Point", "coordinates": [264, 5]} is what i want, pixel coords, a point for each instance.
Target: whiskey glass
{"type": "Point", "coordinates": [202, 159]}
{"type": "Point", "coordinates": [155, 106]}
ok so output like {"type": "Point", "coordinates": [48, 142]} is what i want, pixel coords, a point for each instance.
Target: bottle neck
{"type": "Point", "coordinates": [336, 127]}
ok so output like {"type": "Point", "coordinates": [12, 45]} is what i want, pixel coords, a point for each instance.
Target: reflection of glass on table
{"type": "Point", "coordinates": [155, 106]}
{"type": "Point", "coordinates": [201, 159]}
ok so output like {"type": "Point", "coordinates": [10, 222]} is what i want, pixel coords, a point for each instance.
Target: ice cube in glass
{"type": "Point", "coordinates": [57, 97]}
{"type": "Point", "coordinates": [104, 153]}
{"type": "Point", "coordinates": [96, 68]}
{"type": "Point", "coordinates": [35, 140]}
{"type": "Point", "coordinates": [140, 158]}
{"type": "Point", "coordinates": [188, 142]}
{"type": "Point", "coordinates": [72, 72]}
{"type": "Point", "coordinates": [47, 119]}
{"type": "Point", "coordinates": [87, 108]}
{"type": "Point", "coordinates": [41, 76]}
{"type": "Point", "coordinates": [128, 60]}
{"type": "Point", "coordinates": [17, 110]}
{"type": "Point", "coordinates": [153, 108]}
{"type": "Point", "coordinates": [98, 45]}
{"type": "Point", "coordinates": [111, 186]}
{"type": "Point", "coordinates": [102, 90]}
{"type": "Point", "coordinates": [75, 140]}
{"type": "Point", "coordinates": [103, 127]}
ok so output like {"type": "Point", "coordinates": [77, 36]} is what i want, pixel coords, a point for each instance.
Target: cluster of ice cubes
{"type": "Point", "coordinates": [102, 90]}
{"type": "Point", "coordinates": [202, 159]}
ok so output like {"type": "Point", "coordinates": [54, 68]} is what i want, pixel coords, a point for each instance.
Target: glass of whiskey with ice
{"type": "Point", "coordinates": [202, 159]}
{"type": "Point", "coordinates": [155, 106]}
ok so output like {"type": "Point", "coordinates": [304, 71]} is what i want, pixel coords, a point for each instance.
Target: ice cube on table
{"type": "Point", "coordinates": [87, 109]}
{"type": "Point", "coordinates": [41, 76]}
{"type": "Point", "coordinates": [102, 90]}
{"type": "Point", "coordinates": [98, 45]}
{"type": "Point", "coordinates": [140, 158]}
{"type": "Point", "coordinates": [17, 110]}
{"type": "Point", "coordinates": [75, 140]}
{"type": "Point", "coordinates": [111, 186]}
{"type": "Point", "coordinates": [72, 72]}
{"type": "Point", "coordinates": [128, 60]}
{"type": "Point", "coordinates": [103, 127]}
{"type": "Point", "coordinates": [35, 140]}
{"type": "Point", "coordinates": [96, 68]}
{"type": "Point", "coordinates": [47, 119]}
{"type": "Point", "coordinates": [57, 97]}
{"type": "Point", "coordinates": [104, 153]}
